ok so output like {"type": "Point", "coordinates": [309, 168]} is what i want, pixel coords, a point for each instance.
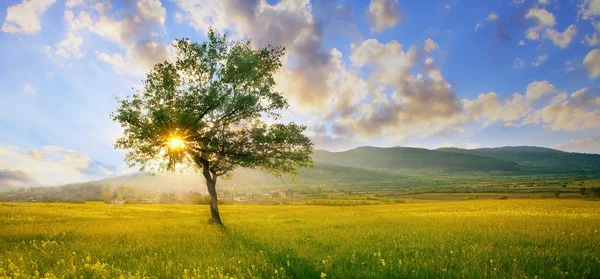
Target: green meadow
{"type": "Point", "coordinates": [512, 238]}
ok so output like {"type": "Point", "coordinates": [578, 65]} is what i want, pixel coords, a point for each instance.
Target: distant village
{"type": "Point", "coordinates": [131, 195]}
{"type": "Point", "coordinates": [192, 197]}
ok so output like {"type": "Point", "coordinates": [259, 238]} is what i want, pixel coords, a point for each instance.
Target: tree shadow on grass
{"type": "Point", "coordinates": [298, 267]}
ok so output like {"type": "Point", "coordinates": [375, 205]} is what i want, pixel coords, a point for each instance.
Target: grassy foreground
{"type": "Point", "coordinates": [468, 239]}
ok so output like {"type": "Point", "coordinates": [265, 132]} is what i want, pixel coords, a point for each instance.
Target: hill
{"type": "Point", "coordinates": [406, 158]}
{"type": "Point", "coordinates": [362, 168]}
{"type": "Point", "coordinates": [537, 159]}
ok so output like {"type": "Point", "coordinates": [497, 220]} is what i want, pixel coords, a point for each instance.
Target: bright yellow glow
{"type": "Point", "coordinates": [176, 143]}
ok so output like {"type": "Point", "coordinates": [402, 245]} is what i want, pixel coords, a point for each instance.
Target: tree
{"type": "Point", "coordinates": [206, 108]}
{"type": "Point", "coordinates": [594, 192]}
{"type": "Point", "coordinates": [582, 191]}
{"type": "Point", "coordinates": [557, 194]}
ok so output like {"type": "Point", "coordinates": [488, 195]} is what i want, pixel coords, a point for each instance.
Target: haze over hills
{"type": "Point", "coordinates": [382, 166]}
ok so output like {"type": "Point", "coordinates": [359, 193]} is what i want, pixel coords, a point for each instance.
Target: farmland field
{"type": "Point", "coordinates": [460, 239]}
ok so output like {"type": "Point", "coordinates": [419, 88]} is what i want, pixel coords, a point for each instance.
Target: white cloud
{"type": "Point", "coordinates": [518, 63]}
{"type": "Point", "coordinates": [27, 88]}
{"type": "Point", "coordinates": [383, 14]}
{"type": "Point", "coordinates": [25, 17]}
{"type": "Point", "coordinates": [581, 111]}
{"type": "Point", "coordinates": [563, 39]}
{"type": "Point", "coordinates": [74, 3]}
{"type": "Point", "coordinates": [178, 17]}
{"type": "Point", "coordinates": [544, 28]}
{"type": "Point", "coordinates": [559, 98]}
{"type": "Point", "coordinates": [588, 145]}
{"type": "Point", "coordinates": [540, 60]}
{"type": "Point", "coordinates": [489, 108]}
{"type": "Point", "coordinates": [592, 41]}
{"type": "Point", "coordinates": [592, 63]}
{"type": "Point", "coordinates": [82, 21]}
{"type": "Point", "coordinates": [492, 17]}
{"type": "Point", "coordinates": [538, 89]}
{"type": "Point", "coordinates": [423, 102]}
{"type": "Point", "coordinates": [136, 31]}
{"type": "Point", "coordinates": [50, 165]}
{"type": "Point", "coordinates": [152, 10]}
{"type": "Point", "coordinates": [308, 66]}
{"type": "Point", "coordinates": [543, 2]}
{"type": "Point", "coordinates": [70, 46]}
{"type": "Point", "coordinates": [589, 9]}
{"type": "Point", "coordinates": [521, 43]}
{"type": "Point", "coordinates": [430, 45]}
{"type": "Point", "coordinates": [138, 59]}
{"type": "Point", "coordinates": [542, 16]}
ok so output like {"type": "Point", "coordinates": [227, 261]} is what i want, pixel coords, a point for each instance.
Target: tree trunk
{"type": "Point", "coordinates": [211, 182]}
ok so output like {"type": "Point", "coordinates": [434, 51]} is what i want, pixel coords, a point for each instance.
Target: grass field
{"type": "Point", "coordinates": [461, 239]}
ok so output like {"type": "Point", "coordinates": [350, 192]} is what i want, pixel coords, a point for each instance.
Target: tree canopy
{"type": "Point", "coordinates": [208, 107]}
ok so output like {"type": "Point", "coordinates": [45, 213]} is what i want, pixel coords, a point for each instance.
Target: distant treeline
{"type": "Point", "coordinates": [131, 195]}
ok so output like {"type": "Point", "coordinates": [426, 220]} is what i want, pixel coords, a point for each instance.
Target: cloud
{"type": "Point", "coordinates": [70, 46]}
{"type": "Point", "coordinates": [588, 145]}
{"type": "Point", "coordinates": [582, 111]}
{"type": "Point", "coordinates": [544, 28]}
{"type": "Point", "coordinates": [25, 17]}
{"type": "Point", "coordinates": [538, 89]}
{"type": "Point", "coordinates": [383, 14]}
{"type": "Point", "coordinates": [561, 40]}
{"type": "Point", "coordinates": [540, 60]}
{"type": "Point", "coordinates": [152, 10]}
{"type": "Point", "coordinates": [489, 108]}
{"type": "Point", "coordinates": [27, 88]}
{"type": "Point", "coordinates": [591, 62]}
{"type": "Point", "coordinates": [74, 3]}
{"type": "Point", "coordinates": [134, 31]}
{"type": "Point", "coordinates": [592, 41]}
{"type": "Point", "coordinates": [36, 154]}
{"type": "Point", "coordinates": [543, 18]}
{"type": "Point", "coordinates": [323, 139]}
{"type": "Point", "coordinates": [137, 59]}
{"type": "Point", "coordinates": [492, 17]}
{"type": "Point", "coordinates": [430, 45]}
{"type": "Point", "coordinates": [518, 63]}
{"type": "Point", "coordinates": [50, 165]}
{"type": "Point", "coordinates": [14, 178]}
{"type": "Point", "coordinates": [308, 68]}
{"type": "Point", "coordinates": [423, 102]}
{"type": "Point", "coordinates": [589, 9]}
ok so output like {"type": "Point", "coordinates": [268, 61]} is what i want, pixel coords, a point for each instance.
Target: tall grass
{"type": "Point", "coordinates": [468, 239]}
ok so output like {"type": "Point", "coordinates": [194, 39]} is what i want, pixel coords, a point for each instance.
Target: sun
{"type": "Point", "coordinates": [176, 143]}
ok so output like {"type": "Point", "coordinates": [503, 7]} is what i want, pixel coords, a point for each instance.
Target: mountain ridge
{"type": "Point", "coordinates": [382, 164]}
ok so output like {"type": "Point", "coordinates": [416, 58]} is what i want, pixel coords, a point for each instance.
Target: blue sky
{"type": "Point", "coordinates": [382, 72]}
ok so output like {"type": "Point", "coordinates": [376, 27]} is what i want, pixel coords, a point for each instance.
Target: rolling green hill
{"type": "Point", "coordinates": [405, 158]}
{"type": "Point", "coordinates": [537, 159]}
{"type": "Point", "coordinates": [373, 167]}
